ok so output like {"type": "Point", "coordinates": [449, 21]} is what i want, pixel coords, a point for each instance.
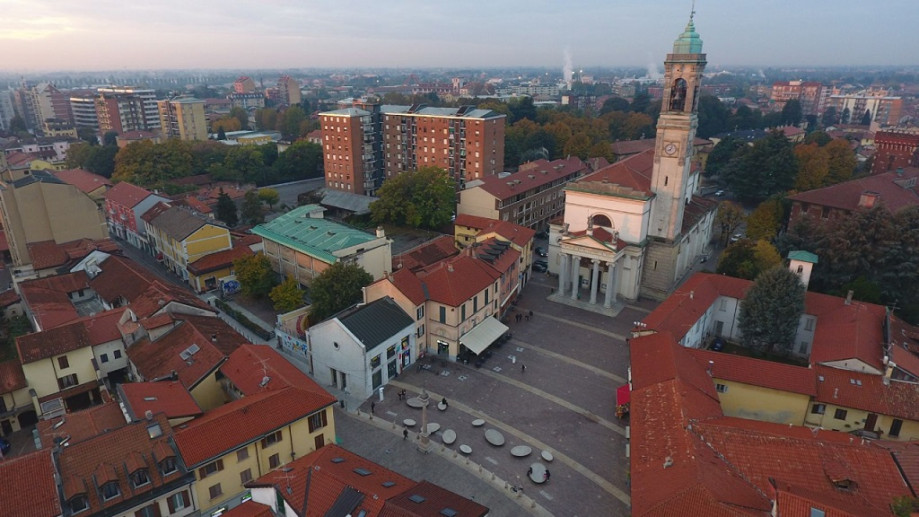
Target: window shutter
{"type": "Point", "coordinates": [185, 498]}
{"type": "Point", "coordinates": [220, 464]}
{"type": "Point", "coordinates": [170, 502]}
{"type": "Point", "coordinates": [156, 510]}
{"type": "Point", "coordinates": [202, 473]}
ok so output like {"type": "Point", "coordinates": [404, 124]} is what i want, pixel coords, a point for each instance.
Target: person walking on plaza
{"type": "Point", "coordinates": [404, 433]}
{"type": "Point", "coordinates": [373, 405]}
{"type": "Point", "coordinates": [523, 368]}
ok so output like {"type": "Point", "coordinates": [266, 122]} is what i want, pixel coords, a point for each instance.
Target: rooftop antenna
{"type": "Point", "coordinates": [692, 13]}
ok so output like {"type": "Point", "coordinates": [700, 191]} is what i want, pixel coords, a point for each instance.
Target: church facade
{"type": "Point", "coordinates": [636, 227]}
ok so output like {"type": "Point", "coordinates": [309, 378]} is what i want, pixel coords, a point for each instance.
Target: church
{"type": "Point", "coordinates": [635, 228]}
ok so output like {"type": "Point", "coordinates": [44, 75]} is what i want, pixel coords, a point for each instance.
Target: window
{"type": "Point", "coordinates": [840, 414]}
{"type": "Point", "coordinates": [215, 491]}
{"type": "Point", "coordinates": [103, 358]}
{"type": "Point", "coordinates": [809, 324]}
{"type": "Point", "coordinates": [421, 330]}
{"type": "Point", "coordinates": [242, 454]}
{"type": "Point", "coordinates": [818, 409]}
{"type": "Point", "coordinates": [443, 314]}
{"type": "Point", "coordinates": [110, 491]}
{"type": "Point", "coordinates": [246, 475]}
{"type": "Point", "coordinates": [62, 362]}
{"type": "Point", "coordinates": [79, 503]}
{"type": "Point", "coordinates": [419, 312]}
{"type": "Point", "coordinates": [68, 381]}
{"type": "Point", "coordinates": [375, 361]}
{"type": "Point", "coordinates": [391, 352]}
{"type": "Point", "coordinates": [168, 465]}
{"type": "Point", "coordinates": [117, 354]}
{"type": "Point", "coordinates": [825, 213]}
{"type": "Point", "coordinates": [210, 468]}
{"type": "Point", "coordinates": [318, 421]}
{"type": "Point", "coordinates": [148, 511]}
{"type": "Point", "coordinates": [721, 388]}
{"type": "Point", "coordinates": [274, 461]}
{"type": "Point", "coordinates": [271, 439]}
{"type": "Point", "coordinates": [475, 304]}
{"type": "Point", "coordinates": [724, 305]}
{"type": "Point", "coordinates": [178, 501]}
{"type": "Point", "coordinates": [140, 477]}
{"type": "Point", "coordinates": [895, 427]}
{"type": "Point", "coordinates": [463, 312]}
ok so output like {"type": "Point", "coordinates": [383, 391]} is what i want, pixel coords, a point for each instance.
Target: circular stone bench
{"type": "Point", "coordinates": [494, 437]}
{"type": "Point", "coordinates": [465, 449]}
{"type": "Point", "coordinates": [478, 422]}
{"type": "Point", "coordinates": [521, 451]}
{"type": "Point", "coordinates": [449, 436]}
{"type": "Point", "coordinates": [538, 473]}
{"type": "Point", "coordinates": [409, 422]}
{"type": "Point", "coordinates": [546, 455]}
{"type": "Point", "coordinates": [433, 428]}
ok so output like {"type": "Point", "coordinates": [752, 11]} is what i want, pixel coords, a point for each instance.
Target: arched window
{"type": "Point", "coordinates": [678, 95]}
{"type": "Point", "coordinates": [601, 220]}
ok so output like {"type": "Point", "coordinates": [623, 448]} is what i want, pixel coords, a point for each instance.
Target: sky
{"type": "Point", "coordinates": [63, 35]}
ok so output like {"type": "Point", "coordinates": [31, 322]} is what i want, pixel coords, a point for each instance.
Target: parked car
{"type": "Point", "coordinates": [5, 446]}
{"type": "Point", "coordinates": [540, 267]}
{"type": "Point", "coordinates": [736, 237]}
{"type": "Point", "coordinates": [720, 193]}
{"type": "Point", "coordinates": [541, 251]}
{"type": "Point", "coordinates": [543, 234]}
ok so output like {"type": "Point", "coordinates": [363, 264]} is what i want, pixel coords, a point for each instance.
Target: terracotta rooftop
{"type": "Point", "coordinates": [12, 377]}
{"type": "Point", "coordinates": [519, 235]}
{"type": "Point", "coordinates": [47, 297]}
{"type": "Point", "coordinates": [758, 372]}
{"type": "Point", "coordinates": [81, 425]}
{"type": "Point", "coordinates": [52, 342]}
{"type": "Point", "coordinates": [245, 420]}
{"type": "Point", "coordinates": [249, 509]}
{"type": "Point", "coordinates": [454, 281]}
{"type": "Point", "coordinates": [218, 260]}
{"type": "Point", "coordinates": [530, 176]}
{"type": "Point", "coordinates": [84, 180]}
{"type": "Point", "coordinates": [327, 479]}
{"type": "Point", "coordinates": [429, 500]}
{"type": "Point", "coordinates": [895, 191]}
{"type": "Point", "coordinates": [867, 392]}
{"type": "Point", "coordinates": [629, 177]}
{"type": "Point", "coordinates": [126, 194]}
{"type": "Point", "coordinates": [408, 284]}
{"type": "Point", "coordinates": [249, 365]}
{"type": "Point", "coordinates": [426, 254]}
{"type": "Point", "coordinates": [167, 397]}
{"type": "Point", "coordinates": [29, 488]}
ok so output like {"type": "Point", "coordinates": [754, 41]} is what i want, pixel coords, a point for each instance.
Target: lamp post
{"type": "Point", "coordinates": [424, 443]}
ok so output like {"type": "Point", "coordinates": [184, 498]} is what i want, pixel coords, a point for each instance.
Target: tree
{"type": "Point", "coordinates": [721, 154]}
{"type": "Point", "coordinates": [713, 116]}
{"type": "Point", "coordinates": [110, 138]}
{"type": "Point", "coordinates": [287, 295]}
{"type": "Point", "coordinates": [269, 196]}
{"type": "Point", "coordinates": [301, 160]}
{"type": "Point", "coordinates": [255, 275]}
{"type": "Point", "coordinates": [424, 198]}
{"type": "Point", "coordinates": [792, 113]}
{"type": "Point", "coordinates": [729, 217]}
{"type": "Point", "coordinates": [765, 221]}
{"type": "Point", "coordinates": [768, 167]}
{"type": "Point", "coordinates": [821, 138]}
{"type": "Point", "coordinates": [266, 119]}
{"type": "Point", "coordinates": [841, 161]}
{"type": "Point", "coordinates": [522, 108]}
{"type": "Point", "coordinates": [252, 208]}
{"type": "Point", "coordinates": [813, 166]}
{"type": "Point", "coordinates": [641, 102]}
{"type": "Point", "coordinates": [770, 312]}
{"type": "Point", "coordinates": [221, 134]}
{"type": "Point", "coordinates": [242, 116]}
{"type": "Point", "coordinates": [830, 117]}
{"type": "Point", "coordinates": [225, 124]}
{"type": "Point", "coordinates": [747, 258]}
{"type": "Point", "coordinates": [866, 118]}
{"type": "Point", "coordinates": [88, 135]}
{"type": "Point", "coordinates": [17, 125]}
{"type": "Point", "coordinates": [150, 165]}
{"type": "Point", "coordinates": [290, 122]}
{"type": "Point", "coordinates": [226, 209]}
{"type": "Point", "coordinates": [614, 104]}
{"type": "Point", "coordinates": [337, 288]}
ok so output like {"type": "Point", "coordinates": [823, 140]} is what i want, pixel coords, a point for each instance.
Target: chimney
{"type": "Point", "coordinates": [835, 393]}
{"type": "Point", "coordinates": [450, 268]}
{"type": "Point", "coordinates": [380, 232]}
{"type": "Point", "coordinates": [711, 365]}
{"type": "Point", "coordinates": [214, 338]}
{"type": "Point", "coordinates": [849, 297]}
{"type": "Point", "coordinates": [148, 415]}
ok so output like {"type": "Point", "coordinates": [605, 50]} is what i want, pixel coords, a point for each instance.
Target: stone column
{"type": "Point", "coordinates": [562, 273]}
{"type": "Point", "coordinates": [424, 442]}
{"type": "Point", "coordinates": [575, 271]}
{"type": "Point", "coordinates": [594, 281]}
{"type": "Point", "coordinates": [612, 270]}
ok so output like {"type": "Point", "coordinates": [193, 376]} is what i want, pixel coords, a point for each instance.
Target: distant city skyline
{"type": "Point", "coordinates": [47, 35]}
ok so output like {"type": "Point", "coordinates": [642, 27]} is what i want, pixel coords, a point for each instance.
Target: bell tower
{"type": "Point", "coordinates": [676, 130]}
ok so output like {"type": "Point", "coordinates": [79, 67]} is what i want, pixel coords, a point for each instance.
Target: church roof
{"type": "Point", "coordinates": [629, 177]}
{"type": "Point", "coordinates": [689, 42]}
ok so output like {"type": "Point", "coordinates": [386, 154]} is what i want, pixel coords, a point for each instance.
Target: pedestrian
{"type": "Point", "coordinates": [545, 475]}
{"type": "Point", "coordinates": [403, 393]}
{"type": "Point", "coordinates": [527, 317]}
{"type": "Point", "coordinates": [373, 405]}
{"type": "Point", "coordinates": [404, 433]}
{"type": "Point", "coordinates": [530, 471]}
{"type": "Point", "coordinates": [531, 314]}
{"type": "Point", "coordinates": [399, 395]}
{"type": "Point", "coordinates": [444, 401]}
{"type": "Point", "coordinates": [523, 368]}
{"type": "Point", "coordinates": [548, 475]}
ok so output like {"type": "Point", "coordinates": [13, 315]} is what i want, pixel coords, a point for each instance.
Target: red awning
{"type": "Point", "coordinates": [623, 395]}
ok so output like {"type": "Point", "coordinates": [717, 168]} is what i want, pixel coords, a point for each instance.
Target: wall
{"type": "Point", "coordinates": [476, 201]}
{"type": "Point", "coordinates": [629, 216]}
{"type": "Point", "coordinates": [348, 358]}
{"type": "Point", "coordinates": [14, 402]}
{"type": "Point", "coordinates": [43, 374]}
{"type": "Point", "coordinates": [209, 393]}
{"type": "Point", "coordinates": [763, 404]}
{"type": "Point", "coordinates": [206, 240]}
{"type": "Point", "coordinates": [109, 350]}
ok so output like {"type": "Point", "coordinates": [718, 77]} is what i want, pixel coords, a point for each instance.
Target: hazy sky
{"type": "Point", "coordinates": [119, 34]}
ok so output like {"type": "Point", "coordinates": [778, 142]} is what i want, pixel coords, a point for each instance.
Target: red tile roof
{"type": "Point", "coordinates": [11, 376]}
{"type": "Point", "coordinates": [409, 285]}
{"type": "Point", "coordinates": [519, 235]}
{"type": "Point", "coordinates": [844, 332]}
{"type": "Point", "coordinates": [317, 479]}
{"type": "Point", "coordinates": [46, 254]}
{"type": "Point", "coordinates": [47, 297]}
{"type": "Point", "coordinates": [867, 392]}
{"type": "Point", "coordinates": [105, 456]}
{"type": "Point", "coordinates": [245, 420]}
{"type": "Point", "coordinates": [52, 342]}
{"type": "Point", "coordinates": [81, 425]}
{"type": "Point", "coordinates": [530, 176]}
{"type": "Point", "coordinates": [103, 327]}
{"type": "Point", "coordinates": [4, 243]}
{"type": "Point", "coordinates": [248, 365]}
{"type": "Point", "coordinates": [893, 189]}
{"type": "Point", "coordinates": [436, 499]}
{"type": "Point", "coordinates": [757, 372]}
{"type": "Point", "coordinates": [426, 254]}
{"type": "Point", "coordinates": [126, 194]}
{"type": "Point", "coordinates": [249, 509]}
{"type": "Point", "coordinates": [219, 260]}
{"type": "Point", "coordinates": [83, 179]}
{"type": "Point", "coordinates": [167, 397]}
{"type": "Point", "coordinates": [8, 297]}
{"type": "Point", "coordinates": [29, 488]}
{"type": "Point", "coordinates": [162, 357]}
{"type": "Point", "coordinates": [630, 177]}
{"type": "Point", "coordinates": [120, 278]}
{"type": "Point", "coordinates": [456, 280]}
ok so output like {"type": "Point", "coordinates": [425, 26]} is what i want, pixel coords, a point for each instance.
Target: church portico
{"type": "Point", "coordinates": [588, 267]}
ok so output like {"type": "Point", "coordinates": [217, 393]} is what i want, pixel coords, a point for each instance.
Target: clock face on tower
{"type": "Point", "coordinates": [670, 148]}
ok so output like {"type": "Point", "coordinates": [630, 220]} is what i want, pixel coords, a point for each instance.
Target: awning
{"type": "Point", "coordinates": [623, 395]}
{"type": "Point", "coordinates": [483, 334]}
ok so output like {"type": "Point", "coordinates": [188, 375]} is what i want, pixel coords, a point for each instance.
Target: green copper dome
{"type": "Point", "coordinates": [689, 42]}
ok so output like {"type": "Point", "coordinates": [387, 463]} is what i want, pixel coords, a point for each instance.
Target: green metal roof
{"type": "Point", "coordinates": [803, 256]}
{"type": "Point", "coordinates": [689, 42]}
{"type": "Point", "coordinates": [319, 238]}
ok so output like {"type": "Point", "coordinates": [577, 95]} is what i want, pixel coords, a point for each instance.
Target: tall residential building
{"type": "Point", "coordinates": [83, 108]}
{"type": "Point", "coordinates": [895, 149]}
{"type": "Point", "coordinates": [288, 90]}
{"type": "Point", "coordinates": [126, 108]}
{"type": "Point", "coordinates": [244, 84]}
{"type": "Point", "coordinates": [6, 109]}
{"type": "Point", "coordinates": [851, 108]}
{"type": "Point", "coordinates": [183, 118]}
{"type": "Point", "coordinates": [808, 93]}
{"type": "Point", "coordinates": [367, 143]}
{"type": "Point", "coordinates": [36, 103]}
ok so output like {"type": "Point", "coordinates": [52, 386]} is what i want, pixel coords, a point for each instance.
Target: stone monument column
{"type": "Point", "coordinates": [424, 442]}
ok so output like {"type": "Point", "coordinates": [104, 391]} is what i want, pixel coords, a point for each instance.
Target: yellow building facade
{"type": "Point", "coordinates": [759, 403]}
{"type": "Point", "coordinates": [181, 237]}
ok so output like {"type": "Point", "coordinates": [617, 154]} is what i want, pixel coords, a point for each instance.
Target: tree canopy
{"type": "Point", "coordinates": [766, 220]}
{"type": "Point", "coordinates": [767, 167]}
{"type": "Point", "coordinates": [770, 312]}
{"type": "Point", "coordinates": [423, 199]}
{"type": "Point", "coordinates": [337, 288]}
{"type": "Point", "coordinates": [255, 275]}
{"type": "Point", "coordinates": [287, 295]}
{"type": "Point", "coordinates": [729, 217]}
{"type": "Point", "coordinates": [747, 258]}
{"type": "Point", "coordinates": [226, 209]}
